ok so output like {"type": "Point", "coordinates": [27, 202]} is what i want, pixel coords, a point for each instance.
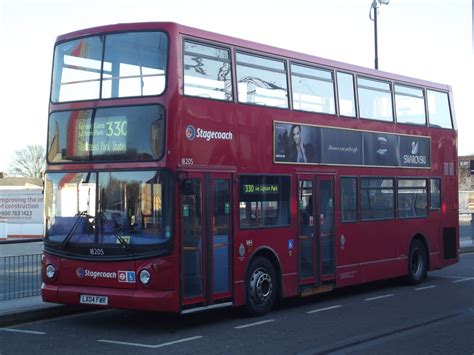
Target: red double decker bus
{"type": "Point", "coordinates": [189, 170]}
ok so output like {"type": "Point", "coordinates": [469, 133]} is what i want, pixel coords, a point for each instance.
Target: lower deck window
{"type": "Point", "coordinates": [435, 194]}
{"type": "Point", "coordinates": [412, 198]}
{"type": "Point", "coordinates": [376, 198]}
{"type": "Point", "coordinates": [348, 199]}
{"type": "Point", "coordinates": [264, 201]}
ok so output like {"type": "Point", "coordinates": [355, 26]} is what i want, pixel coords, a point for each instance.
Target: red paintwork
{"type": "Point", "coordinates": [160, 295]}
{"type": "Point", "coordinates": [372, 250]}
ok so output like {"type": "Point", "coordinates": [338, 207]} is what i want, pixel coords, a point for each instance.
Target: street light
{"type": "Point", "coordinates": [375, 7]}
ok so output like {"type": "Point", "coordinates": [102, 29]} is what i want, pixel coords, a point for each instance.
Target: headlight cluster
{"type": "Point", "coordinates": [50, 271]}
{"type": "Point", "coordinates": [145, 277]}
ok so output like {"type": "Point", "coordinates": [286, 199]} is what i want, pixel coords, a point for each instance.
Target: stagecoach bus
{"type": "Point", "coordinates": [188, 170]}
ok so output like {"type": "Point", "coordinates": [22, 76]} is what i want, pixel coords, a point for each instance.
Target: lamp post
{"type": "Point", "coordinates": [375, 7]}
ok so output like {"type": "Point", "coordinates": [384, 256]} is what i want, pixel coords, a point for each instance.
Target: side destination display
{"type": "Point", "coordinates": [305, 144]}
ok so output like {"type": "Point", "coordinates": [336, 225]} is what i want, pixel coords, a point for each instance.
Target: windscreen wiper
{"type": "Point", "coordinates": [73, 229]}
{"type": "Point", "coordinates": [122, 241]}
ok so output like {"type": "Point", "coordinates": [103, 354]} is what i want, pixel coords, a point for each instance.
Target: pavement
{"type": "Point", "coordinates": [29, 309]}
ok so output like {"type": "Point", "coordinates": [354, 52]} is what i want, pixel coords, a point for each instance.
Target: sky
{"type": "Point", "coordinates": [425, 39]}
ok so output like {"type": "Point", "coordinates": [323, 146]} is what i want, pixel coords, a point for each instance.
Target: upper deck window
{"type": "Point", "coordinates": [410, 103]}
{"type": "Point", "coordinates": [438, 109]}
{"type": "Point", "coordinates": [110, 66]}
{"type": "Point", "coordinates": [261, 81]}
{"type": "Point", "coordinates": [207, 71]}
{"type": "Point", "coordinates": [345, 88]}
{"type": "Point", "coordinates": [375, 99]}
{"type": "Point", "coordinates": [313, 89]}
{"type": "Point", "coordinates": [105, 134]}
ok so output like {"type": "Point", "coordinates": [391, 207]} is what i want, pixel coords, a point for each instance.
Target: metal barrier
{"type": "Point", "coordinates": [20, 276]}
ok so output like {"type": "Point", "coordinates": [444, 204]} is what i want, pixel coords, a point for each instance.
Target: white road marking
{"type": "Point", "coordinates": [149, 346]}
{"type": "Point", "coordinates": [379, 297]}
{"type": "Point", "coordinates": [424, 288]}
{"type": "Point", "coordinates": [254, 324]}
{"type": "Point", "coordinates": [324, 309]}
{"type": "Point", "coordinates": [450, 277]}
{"type": "Point", "coordinates": [22, 331]}
{"type": "Point", "coordinates": [462, 280]}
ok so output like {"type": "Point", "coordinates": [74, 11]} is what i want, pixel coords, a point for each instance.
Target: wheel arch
{"type": "Point", "coordinates": [420, 236]}
{"type": "Point", "coordinates": [272, 256]}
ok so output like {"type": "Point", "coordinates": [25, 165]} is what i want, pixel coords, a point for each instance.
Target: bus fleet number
{"type": "Point", "coordinates": [96, 251]}
{"type": "Point", "coordinates": [187, 161]}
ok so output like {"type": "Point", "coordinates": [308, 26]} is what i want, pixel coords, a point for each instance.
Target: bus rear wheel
{"type": "Point", "coordinates": [417, 262]}
{"type": "Point", "coordinates": [261, 287]}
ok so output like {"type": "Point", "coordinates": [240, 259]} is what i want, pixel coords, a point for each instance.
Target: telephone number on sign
{"type": "Point", "coordinates": [16, 213]}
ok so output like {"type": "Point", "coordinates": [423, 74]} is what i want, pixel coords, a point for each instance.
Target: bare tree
{"type": "Point", "coordinates": [28, 162]}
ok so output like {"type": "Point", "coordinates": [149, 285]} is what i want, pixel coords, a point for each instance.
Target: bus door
{"type": "Point", "coordinates": [315, 229]}
{"type": "Point", "coordinates": [326, 225]}
{"type": "Point", "coordinates": [205, 213]}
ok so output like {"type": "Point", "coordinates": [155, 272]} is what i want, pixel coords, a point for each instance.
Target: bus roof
{"type": "Point", "coordinates": [252, 46]}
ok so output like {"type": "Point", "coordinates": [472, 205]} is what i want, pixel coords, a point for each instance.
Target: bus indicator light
{"type": "Point", "coordinates": [249, 246]}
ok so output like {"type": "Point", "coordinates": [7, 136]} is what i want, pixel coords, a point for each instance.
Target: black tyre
{"type": "Point", "coordinates": [261, 287]}
{"type": "Point", "coordinates": [417, 262]}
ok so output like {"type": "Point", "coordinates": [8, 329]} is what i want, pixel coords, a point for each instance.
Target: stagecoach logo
{"type": "Point", "coordinates": [192, 133]}
{"type": "Point", "coordinates": [80, 272]}
{"type": "Point", "coordinates": [415, 158]}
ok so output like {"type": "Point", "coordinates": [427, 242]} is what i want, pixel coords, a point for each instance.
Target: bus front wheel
{"type": "Point", "coordinates": [261, 287]}
{"type": "Point", "coordinates": [417, 262]}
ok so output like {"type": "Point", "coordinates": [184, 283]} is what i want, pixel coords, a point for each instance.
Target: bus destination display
{"type": "Point", "coordinates": [105, 137]}
{"type": "Point", "coordinates": [261, 188]}
{"type": "Point", "coordinates": [117, 133]}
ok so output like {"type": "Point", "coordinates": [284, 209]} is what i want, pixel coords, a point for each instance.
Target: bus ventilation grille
{"type": "Point", "coordinates": [449, 239]}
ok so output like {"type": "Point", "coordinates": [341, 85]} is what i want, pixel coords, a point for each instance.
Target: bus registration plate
{"type": "Point", "coordinates": [90, 299]}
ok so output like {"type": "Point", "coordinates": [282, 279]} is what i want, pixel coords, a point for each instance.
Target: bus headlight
{"type": "Point", "coordinates": [50, 271]}
{"type": "Point", "coordinates": [145, 277]}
